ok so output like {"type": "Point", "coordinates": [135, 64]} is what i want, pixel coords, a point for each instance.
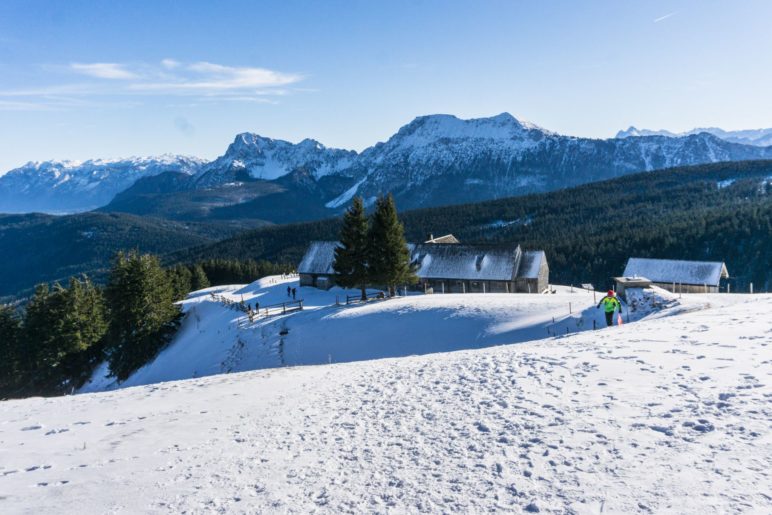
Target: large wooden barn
{"type": "Point", "coordinates": [448, 268]}
{"type": "Point", "coordinates": [679, 276]}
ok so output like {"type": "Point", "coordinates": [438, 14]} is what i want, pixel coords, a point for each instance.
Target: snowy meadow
{"type": "Point", "coordinates": [670, 413]}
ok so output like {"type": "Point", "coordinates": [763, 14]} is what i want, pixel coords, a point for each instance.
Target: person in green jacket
{"type": "Point", "coordinates": [610, 304]}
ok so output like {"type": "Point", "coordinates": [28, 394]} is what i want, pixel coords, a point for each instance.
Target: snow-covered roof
{"type": "Point", "coordinates": [445, 261]}
{"type": "Point", "coordinates": [319, 258]}
{"type": "Point", "coordinates": [672, 270]}
{"type": "Point", "coordinates": [469, 262]}
{"type": "Point", "coordinates": [531, 264]}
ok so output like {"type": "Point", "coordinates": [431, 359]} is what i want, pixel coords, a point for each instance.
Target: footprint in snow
{"type": "Point", "coordinates": [482, 427]}
{"type": "Point", "coordinates": [32, 428]}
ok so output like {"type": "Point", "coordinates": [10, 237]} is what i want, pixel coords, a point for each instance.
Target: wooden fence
{"type": "Point", "coordinates": [353, 299]}
{"type": "Point", "coordinates": [281, 308]}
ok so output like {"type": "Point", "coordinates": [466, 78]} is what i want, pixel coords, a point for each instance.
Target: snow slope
{"type": "Point", "coordinates": [667, 415]}
{"type": "Point", "coordinates": [215, 338]}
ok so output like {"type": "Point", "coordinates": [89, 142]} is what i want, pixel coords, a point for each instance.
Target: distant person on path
{"type": "Point", "coordinates": [610, 304]}
{"type": "Point", "coordinates": [289, 291]}
{"type": "Point", "coordinates": [294, 292]}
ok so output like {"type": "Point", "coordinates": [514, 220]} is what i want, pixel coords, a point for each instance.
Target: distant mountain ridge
{"type": "Point", "coordinates": [433, 160]}
{"type": "Point", "coordinates": [756, 137]}
{"type": "Point", "coordinates": [73, 186]}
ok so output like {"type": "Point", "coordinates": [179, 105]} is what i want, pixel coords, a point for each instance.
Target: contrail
{"type": "Point", "coordinates": [657, 20]}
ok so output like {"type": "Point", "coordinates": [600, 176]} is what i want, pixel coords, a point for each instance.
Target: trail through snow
{"type": "Point", "coordinates": [670, 414]}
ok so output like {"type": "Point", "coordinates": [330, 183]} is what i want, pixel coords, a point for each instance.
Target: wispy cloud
{"type": "Point", "coordinates": [665, 17]}
{"type": "Point", "coordinates": [13, 105]}
{"type": "Point", "coordinates": [170, 64]}
{"type": "Point", "coordinates": [103, 70]}
{"type": "Point", "coordinates": [201, 80]}
{"type": "Point", "coordinates": [205, 76]}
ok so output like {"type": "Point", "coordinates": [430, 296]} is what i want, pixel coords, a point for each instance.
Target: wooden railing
{"type": "Point", "coordinates": [281, 308]}
{"type": "Point", "coordinates": [353, 299]}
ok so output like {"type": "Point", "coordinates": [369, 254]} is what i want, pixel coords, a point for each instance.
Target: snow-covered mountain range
{"type": "Point", "coordinates": [433, 160]}
{"type": "Point", "coordinates": [69, 186]}
{"type": "Point", "coordinates": [251, 156]}
{"type": "Point", "coordinates": [757, 137]}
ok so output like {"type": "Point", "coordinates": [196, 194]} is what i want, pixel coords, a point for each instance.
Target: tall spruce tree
{"type": "Point", "coordinates": [351, 258]}
{"type": "Point", "coordinates": [181, 279]}
{"type": "Point", "coordinates": [62, 335]}
{"type": "Point", "coordinates": [10, 358]}
{"type": "Point", "coordinates": [144, 317]}
{"type": "Point", "coordinates": [38, 342]}
{"type": "Point", "coordinates": [81, 329]}
{"type": "Point", "coordinates": [198, 279]}
{"type": "Point", "coordinates": [389, 257]}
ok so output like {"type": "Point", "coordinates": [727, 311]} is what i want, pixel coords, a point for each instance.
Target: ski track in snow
{"type": "Point", "coordinates": [666, 415]}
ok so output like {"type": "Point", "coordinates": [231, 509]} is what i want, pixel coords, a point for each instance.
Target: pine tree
{"type": "Point", "coordinates": [389, 257]}
{"type": "Point", "coordinates": [62, 334]}
{"type": "Point", "coordinates": [181, 279]}
{"type": "Point", "coordinates": [352, 256]}
{"type": "Point", "coordinates": [198, 279]}
{"type": "Point", "coordinates": [80, 331]}
{"type": "Point", "coordinates": [10, 334]}
{"type": "Point", "coordinates": [38, 346]}
{"type": "Point", "coordinates": [143, 314]}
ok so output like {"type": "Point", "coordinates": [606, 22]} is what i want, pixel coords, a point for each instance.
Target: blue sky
{"type": "Point", "coordinates": [112, 79]}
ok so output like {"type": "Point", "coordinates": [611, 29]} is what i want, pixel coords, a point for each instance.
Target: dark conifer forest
{"type": "Point", "coordinates": [719, 212]}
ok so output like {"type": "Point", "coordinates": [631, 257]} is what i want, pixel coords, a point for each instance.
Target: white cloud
{"type": "Point", "coordinates": [665, 17]}
{"type": "Point", "coordinates": [205, 76]}
{"type": "Point", "coordinates": [117, 84]}
{"type": "Point", "coordinates": [11, 105]}
{"type": "Point", "coordinates": [170, 64]}
{"type": "Point", "coordinates": [103, 70]}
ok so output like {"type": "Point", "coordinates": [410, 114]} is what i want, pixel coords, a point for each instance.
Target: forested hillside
{"type": "Point", "coordinates": [720, 212]}
{"type": "Point", "coordinates": [39, 248]}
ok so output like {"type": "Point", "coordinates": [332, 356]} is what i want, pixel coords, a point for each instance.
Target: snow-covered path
{"type": "Point", "coordinates": [666, 415]}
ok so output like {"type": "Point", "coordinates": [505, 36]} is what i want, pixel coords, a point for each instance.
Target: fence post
{"type": "Point", "coordinates": [593, 325]}
{"type": "Point", "coordinates": [301, 304]}
{"type": "Point", "coordinates": [283, 308]}
{"type": "Point", "coordinates": [569, 308]}
{"type": "Point", "coordinates": [751, 288]}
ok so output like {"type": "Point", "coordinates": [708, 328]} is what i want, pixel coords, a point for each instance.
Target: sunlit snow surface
{"type": "Point", "coordinates": [668, 415]}
{"type": "Point", "coordinates": [215, 338]}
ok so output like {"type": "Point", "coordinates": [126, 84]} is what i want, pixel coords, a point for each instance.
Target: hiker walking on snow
{"type": "Point", "coordinates": [610, 304]}
{"type": "Point", "coordinates": [289, 291]}
{"type": "Point", "coordinates": [294, 292]}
